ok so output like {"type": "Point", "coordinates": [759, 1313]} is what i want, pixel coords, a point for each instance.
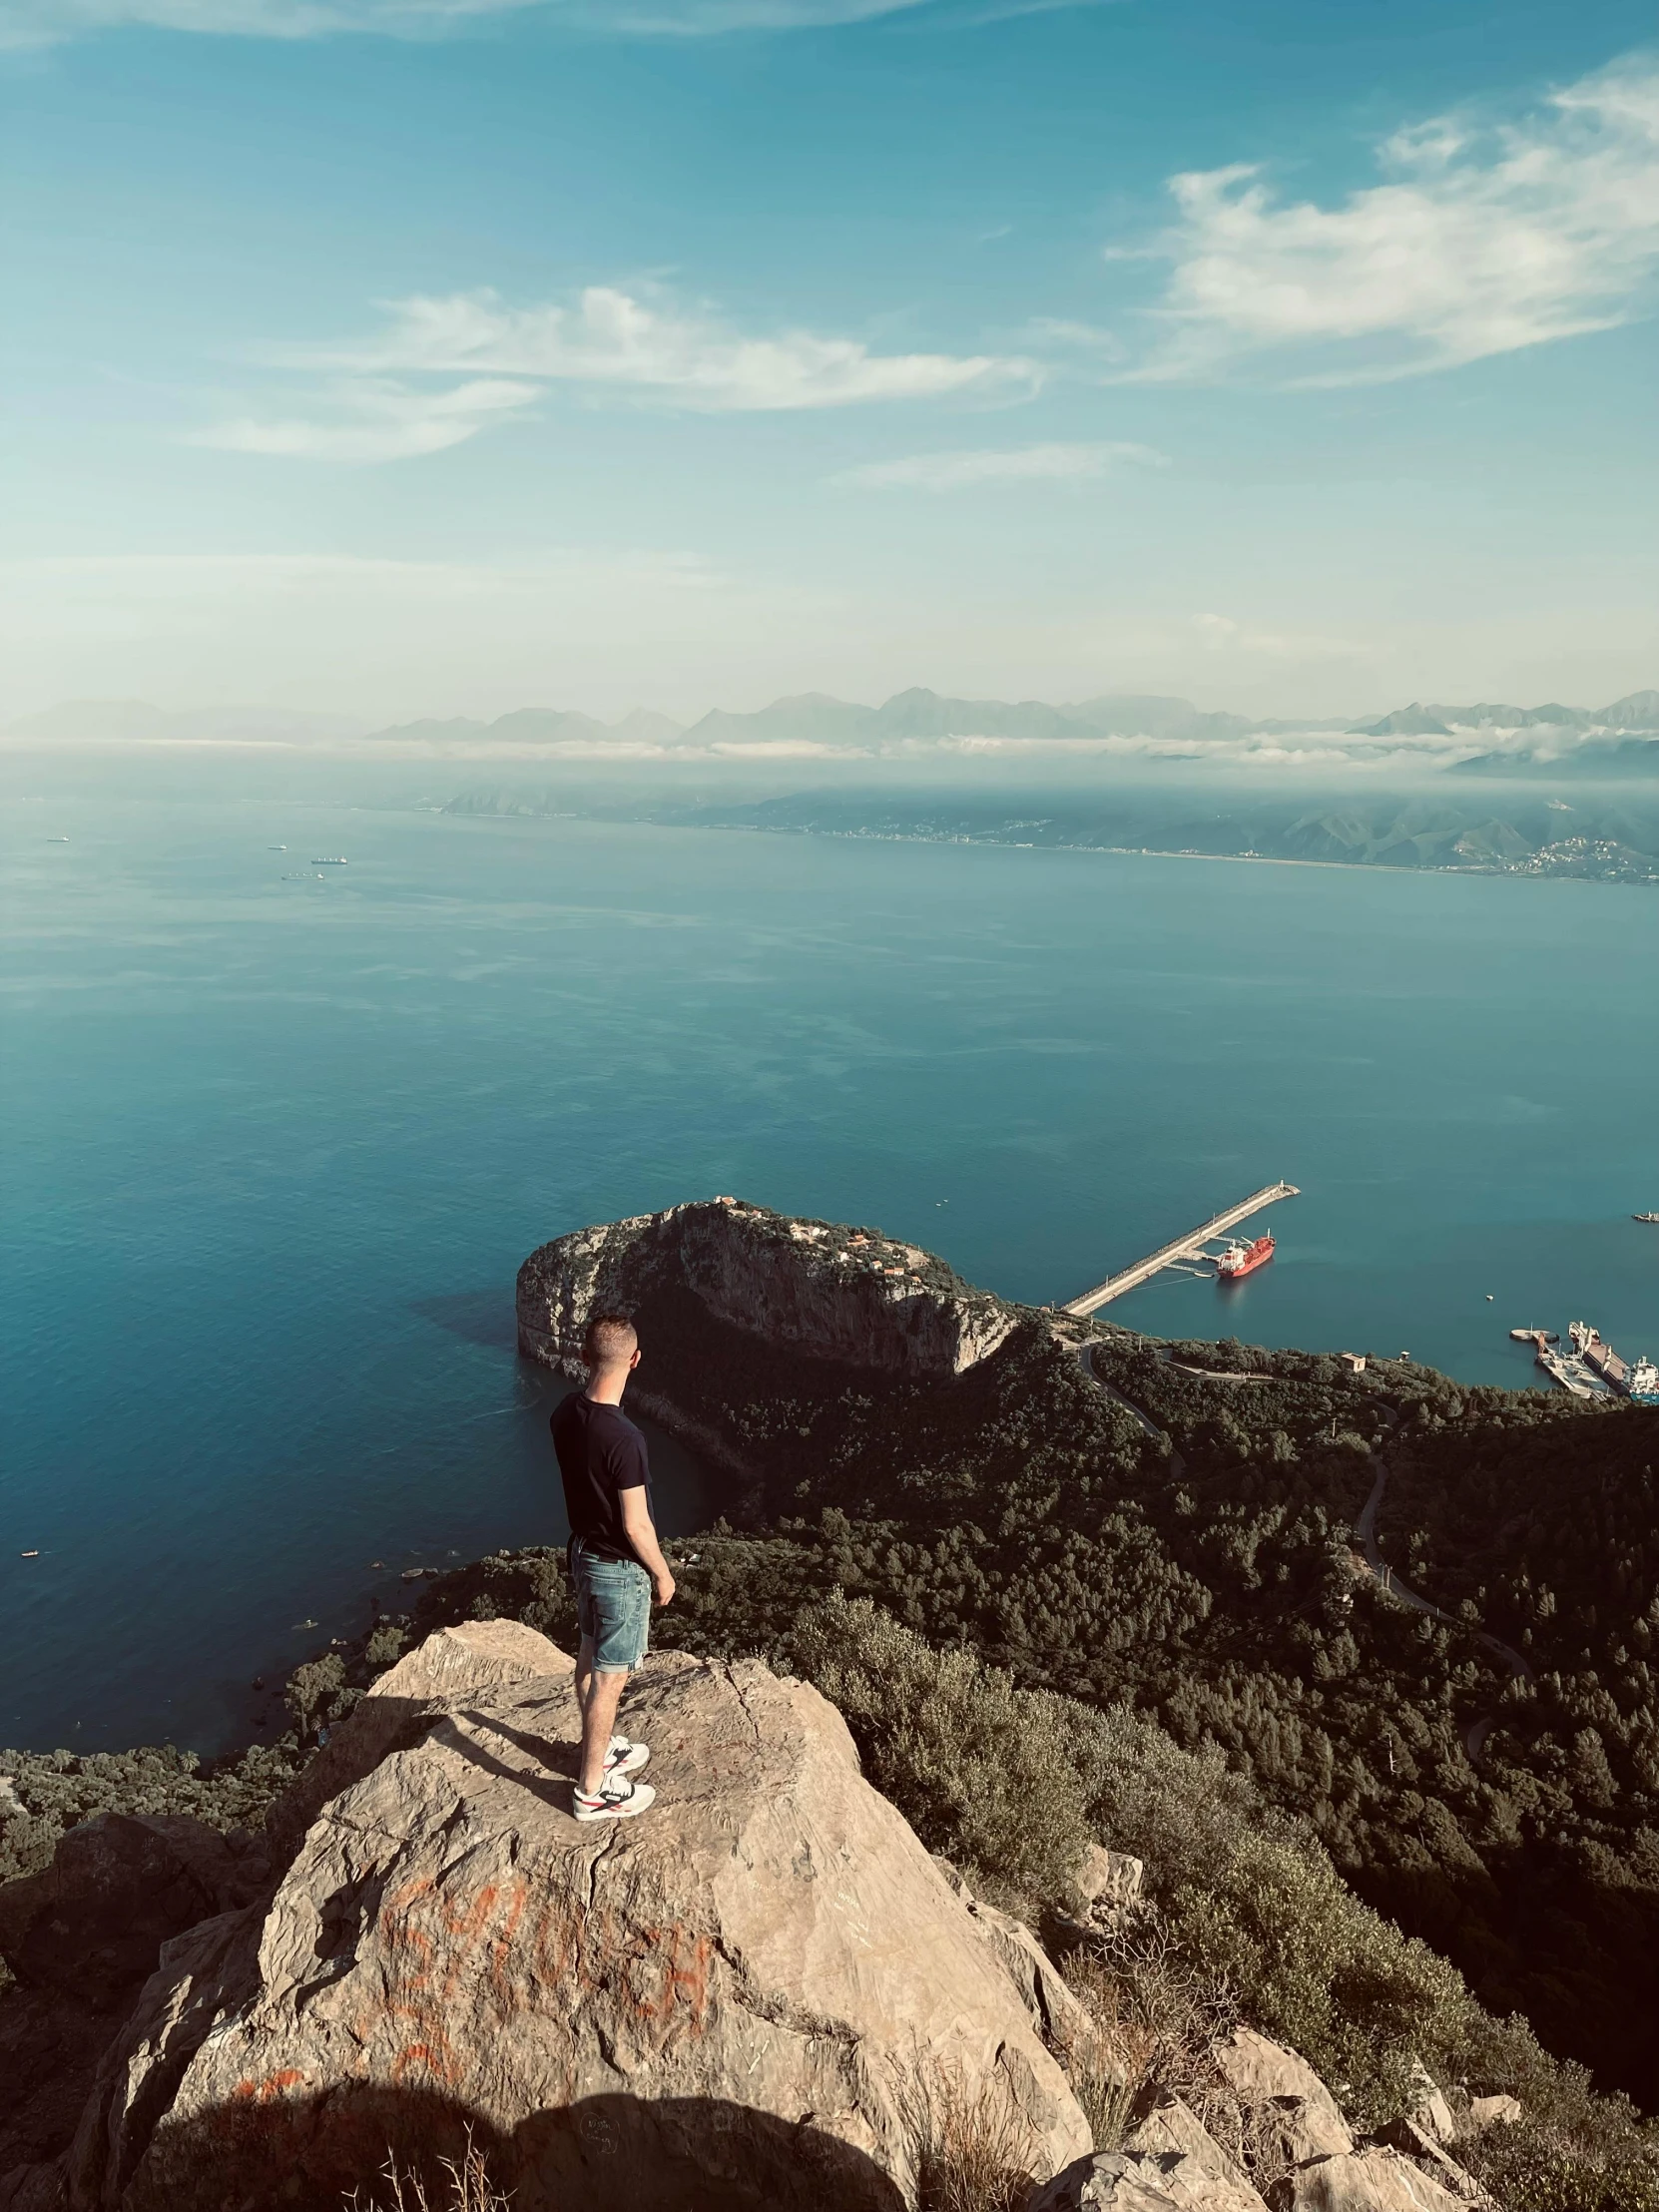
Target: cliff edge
{"type": "Point", "coordinates": [745, 2000]}
{"type": "Point", "coordinates": [847, 1295]}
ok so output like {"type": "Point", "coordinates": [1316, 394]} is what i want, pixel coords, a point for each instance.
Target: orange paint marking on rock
{"type": "Point", "coordinates": [272, 2087]}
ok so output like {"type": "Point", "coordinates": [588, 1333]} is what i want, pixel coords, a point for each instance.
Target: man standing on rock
{"type": "Point", "coordinates": [616, 1563]}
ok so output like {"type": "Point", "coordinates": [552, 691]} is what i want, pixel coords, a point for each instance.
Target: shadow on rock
{"type": "Point", "coordinates": [282, 2152]}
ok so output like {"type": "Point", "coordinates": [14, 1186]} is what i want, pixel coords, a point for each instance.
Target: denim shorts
{"type": "Point", "coordinates": [613, 1608]}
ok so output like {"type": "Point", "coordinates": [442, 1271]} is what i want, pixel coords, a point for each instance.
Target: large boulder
{"type": "Point", "coordinates": [757, 1995]}
{"type": "Point", "coordinates": [1377, 2180]}
{"type": "Point", "coordinates": [1171, 2130]}
{"type": "Point", "coordinates": [1140, 2181]}
{"type": "Point", "coordinates": [1285, 2105]}
{"type": "Point", "coordinates": [847, 1295]}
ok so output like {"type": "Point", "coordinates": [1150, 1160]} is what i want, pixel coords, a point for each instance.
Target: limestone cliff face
{"type": "Point", "coordinates": [847, 1295]}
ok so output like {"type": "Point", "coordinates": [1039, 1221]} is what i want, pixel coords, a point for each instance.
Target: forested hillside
{"type": "Point", "coordinates": [1214, 1580]}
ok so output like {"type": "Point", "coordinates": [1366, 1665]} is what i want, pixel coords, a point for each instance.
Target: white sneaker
{"type": "Point", "coordinates": [617, 1798]}
{"type": "Point", "coordinates": [624, 1756]}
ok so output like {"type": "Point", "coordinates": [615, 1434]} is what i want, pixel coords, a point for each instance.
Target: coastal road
{"type": "Point", "coordinates": [1475, 1736]}
{"type": "Point", "coordinates": [1085, 1360]}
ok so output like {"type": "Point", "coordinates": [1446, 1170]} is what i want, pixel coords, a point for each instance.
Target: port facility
{"type": "Point", "coordinates": [1189, 1247]}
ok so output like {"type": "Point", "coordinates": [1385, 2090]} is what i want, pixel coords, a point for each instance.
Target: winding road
{"type": "Point", "coordinates": [1475, 1736]}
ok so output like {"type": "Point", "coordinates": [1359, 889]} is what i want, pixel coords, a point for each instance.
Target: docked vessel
{"type": "Point", "coordinates": [1240, 1259]}
{"type": "Point", "coordinates": [1637, 1378]}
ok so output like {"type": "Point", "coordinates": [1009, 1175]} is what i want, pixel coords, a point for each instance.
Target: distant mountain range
{"type": "Point", "coordinates": [1620, 740]}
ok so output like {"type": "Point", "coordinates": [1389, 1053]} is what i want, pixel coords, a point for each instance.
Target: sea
{"type": "Point", "coordinates": [276, 1136]}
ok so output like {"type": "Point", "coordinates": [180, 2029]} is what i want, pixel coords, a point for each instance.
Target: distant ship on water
{"type": "Point", "coordinates": [1240, 1259]}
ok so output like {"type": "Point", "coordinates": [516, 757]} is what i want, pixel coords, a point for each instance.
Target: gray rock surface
{"type": "Point", "coordinates": [119, 1887]}
{"type": "Point", "coordinates": [400, 1705]}
{"type": "Point", "coordinates": [1212, 2179]}
{"type": "Point", "coordinates": [1437, 2161]}
{"type": "Point", "coordinates": [1140, 2181]}
{"type": "Point", "coordinates": [1284, 2102]}
{"type": "Point", "coordinates": [1498, 2111]}
{"type": "Point", "coordinates": [1370, 2180]}
{"type": "Point", "coordinates": [851, 1296]}
{"type": "Point", "coordinates": [742, 1999]}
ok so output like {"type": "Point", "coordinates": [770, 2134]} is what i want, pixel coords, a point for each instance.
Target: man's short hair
{"type": "Point", "coordinates": [610, 1340]}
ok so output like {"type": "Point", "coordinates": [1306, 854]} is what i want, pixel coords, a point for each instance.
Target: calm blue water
{"type": "Point", "coordinates": [273, 1152]}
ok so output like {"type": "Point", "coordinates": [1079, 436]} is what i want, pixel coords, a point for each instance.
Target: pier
{"type": "Point", "coordinates": [1189, 1247]}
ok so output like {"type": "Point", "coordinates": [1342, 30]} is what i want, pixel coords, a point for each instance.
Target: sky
{"type": "Point", "coordinates": [397, 357]}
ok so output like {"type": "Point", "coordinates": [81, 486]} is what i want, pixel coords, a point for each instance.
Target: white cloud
{"type": "Point", "coordinates": [383, 399]}
{"type": "Point", "coordinates": [610, 337]}
{"type": "Point", "coordinates": [1020, 464]}
{"type": "Point", "coordinates": [1483, 240]}
{"type": "Point", "coordinates": [376, 421]}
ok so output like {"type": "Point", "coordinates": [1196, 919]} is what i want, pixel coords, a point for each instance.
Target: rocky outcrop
{"type": "Point", "coordinates": [1286, 2106]}
{"type": "Point", "coordinates": [1172, 2131]}
{"type": "Point", "coordinates": [748, 1997]}
{"type": "Point", "coordinates": [401, 1705]}
{"type": "Point", "coordinates": [1377, 2180]}
{"type": "Point", "coordinates": [845, 1294]}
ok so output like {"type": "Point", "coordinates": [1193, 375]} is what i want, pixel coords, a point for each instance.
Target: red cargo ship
{"type": "Point", "coordinates": [1241, 1259]}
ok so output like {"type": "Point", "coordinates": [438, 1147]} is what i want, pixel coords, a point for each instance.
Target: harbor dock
{"type": "Point", "coordinates": [1189, 1247]}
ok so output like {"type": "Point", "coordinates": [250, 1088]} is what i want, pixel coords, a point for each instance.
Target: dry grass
{"type": "Point", "coordinates": [974, 2150]}
{"type": "Point", "coordinates": [1157, 2021]}
{"type": "Point", "coordinates": [466, 2187]}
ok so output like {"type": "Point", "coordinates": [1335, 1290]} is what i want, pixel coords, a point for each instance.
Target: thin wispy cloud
{"type": "Point", "coordinates": [962, 471]}
{"type": "Point", "coordinates": [1482, 240]}
{"type": "Point", "coordinates": [375, 422]}
{"type": "Point", "coordinates": [34, 22]}
{"type": "Point", "coordinates": [387, 396]}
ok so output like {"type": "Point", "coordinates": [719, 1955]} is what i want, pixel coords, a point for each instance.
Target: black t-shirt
{"type": "Point", "coordinates": [601, 1454]}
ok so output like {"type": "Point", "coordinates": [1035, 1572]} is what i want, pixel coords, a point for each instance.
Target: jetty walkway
{"type": "Point", "coordinates": [1189, 1247]}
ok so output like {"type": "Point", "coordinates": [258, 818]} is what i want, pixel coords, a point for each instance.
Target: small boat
{"type": "Point", "coordinates": [1645, 1217]}
{"type": "Point", "coordinates": [1538, 1337]}
{"type": "Point", "coordinates": [329, 859]}
{"type": "Point", "coordinates": [57, 841]}
{"type": "Point", "coordinates": [1240, 1259]}
{"type": "Point", "coordinates": [275, 848]}
{"type": "Point", "coordinates": [28, 1555]}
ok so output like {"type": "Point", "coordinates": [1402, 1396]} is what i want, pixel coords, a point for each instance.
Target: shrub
{"type": "Point", "coordinates": [980, 1770]}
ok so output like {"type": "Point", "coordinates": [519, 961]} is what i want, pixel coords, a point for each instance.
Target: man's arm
{"type": "Point", "coordinates": [636, 1526]}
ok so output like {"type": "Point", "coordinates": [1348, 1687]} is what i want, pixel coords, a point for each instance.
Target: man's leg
{"type": "Point", "coordinates": [584, 1673]}
{"type": "Point", "coordinates": [598, 1706]}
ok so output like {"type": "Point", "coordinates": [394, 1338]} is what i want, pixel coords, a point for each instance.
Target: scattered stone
{"type": "Point", "coordinates": [1427, 2106]}
{"type": "Point", "coordinates": [1372, 2180]}
{"type": "Point", "coordinates": [1497, 2111]}
{"type": "Point", "coordinates": [1418, 2145]}
{"type": "Point", "coordinates": [1140, 2181]}
{"type": "Point", "coordinates": [1110, 1874]}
